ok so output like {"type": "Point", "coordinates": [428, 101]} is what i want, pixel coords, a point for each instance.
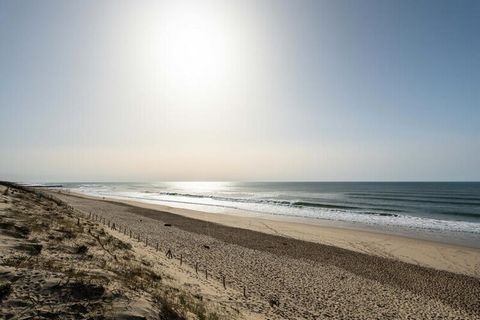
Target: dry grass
{"type": "Point", "coordinates": [185, 303]}
{"type": "Point", "coordinates": [58, 240]}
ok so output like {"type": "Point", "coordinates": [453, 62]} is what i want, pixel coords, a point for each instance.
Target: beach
{"type": "Point", "coordinates": [57, 264]}
{"type": "Point", "coordinates": [293, 271]}
{"type": "Point", "coordinates": [239, 160]}
{"type": "Point", "coordinates": [437, 255]}
{"type": "Point", "coordinates": [437, 212]}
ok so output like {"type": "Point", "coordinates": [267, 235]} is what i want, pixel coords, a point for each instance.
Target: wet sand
{"type": "Point", "coordinates": [307, 279]}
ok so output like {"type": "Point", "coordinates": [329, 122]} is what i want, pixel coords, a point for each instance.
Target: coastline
{"type": "Point", "coordinates": [57, 263]}
{"type": "Point", "coordinates": [165, 262]}
{"type": "Point", "coordinates": [286, 278]}
{"type": "Point", "coordinates": [433, 254]}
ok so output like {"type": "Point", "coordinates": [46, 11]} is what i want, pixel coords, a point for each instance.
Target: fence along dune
{"type": "Point", "coordinates": [456, 290]}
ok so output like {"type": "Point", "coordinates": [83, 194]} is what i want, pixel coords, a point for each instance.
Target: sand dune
{"type": "Point", "coordinates": [55, 264]}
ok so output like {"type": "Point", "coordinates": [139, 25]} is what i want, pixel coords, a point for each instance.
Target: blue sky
{"type": "Point", "coordinates": [240, 90]}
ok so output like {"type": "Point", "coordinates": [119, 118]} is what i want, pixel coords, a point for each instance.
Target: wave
{"type": "Point", "coordinates": [457, 213]}
{"type": "Point", "coordinates": [370, 208]}
{"type": "Point", "coordinates": [296, 204]}
{"type": "Point", "coordinates": [380, 214]}
{"type": "Point", "coordinates": [465, 203]}
{"type": "Point", "coordinates": [290, 203]}
{"type": "Point", "coordinates": [368, 213]}
{"type": "Point", "coordinates": [448, 196]}
{"type": "Point", "coordinates": [320, 205]}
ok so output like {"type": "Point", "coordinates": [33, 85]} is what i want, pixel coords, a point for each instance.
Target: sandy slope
{"type": "Point", "coordinates": [55, 264]}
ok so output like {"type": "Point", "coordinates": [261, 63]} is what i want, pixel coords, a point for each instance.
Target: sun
{"type": "Point", "coordinates": [194, 46]}
{"type": "Point", "coordinates": [190, 59]}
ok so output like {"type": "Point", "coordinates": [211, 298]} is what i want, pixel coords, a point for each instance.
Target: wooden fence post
{"type": "Point", "coordinates": [206, 273]}
{"type": "Point", "coordinates": [196, 267]}
{"type": "Point", "coordinates": [181, 259]}
{"type": "Point", "coordinates": [223, 280]}
{"type": "Point", "coordinates": [157, 246]}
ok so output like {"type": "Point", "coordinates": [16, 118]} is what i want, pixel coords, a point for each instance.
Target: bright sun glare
{"type": "Point", "coordinates": [195, 59]}
{"type": "Point", "coordinates": [194, 46]}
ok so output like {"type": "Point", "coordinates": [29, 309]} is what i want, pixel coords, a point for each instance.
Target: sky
{"type": "Point", "coordinates": [240, 90]}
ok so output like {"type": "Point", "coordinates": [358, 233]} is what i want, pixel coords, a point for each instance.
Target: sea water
{"type": "Point", "coordinates": [445, 211]}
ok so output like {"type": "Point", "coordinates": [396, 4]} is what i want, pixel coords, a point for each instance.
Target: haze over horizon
{"type": "Point", "coordinates": [239, 90]}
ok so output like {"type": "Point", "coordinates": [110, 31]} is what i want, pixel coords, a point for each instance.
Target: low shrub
{"type": "Point", "coordinates": [5, 290]}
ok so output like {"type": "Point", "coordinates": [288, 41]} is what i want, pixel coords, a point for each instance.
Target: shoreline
{"type": "Point", "coordinates": [455, 237]}
{"type": "Point", "coordinates": [56, 263]}
{"type": "Point", "coordinates": [429, 253]}
{"type": "Point", "coordinates": [308, 280]}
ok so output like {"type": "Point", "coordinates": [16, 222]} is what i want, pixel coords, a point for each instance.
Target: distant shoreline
{"type": "Point", "coordinates": [448, 237]}
{"type": "Point", "coordinates": [436, 254]}
{"type": "Point", "coordinates": [440, 212]}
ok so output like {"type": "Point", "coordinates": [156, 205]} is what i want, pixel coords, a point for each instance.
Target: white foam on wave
{"type": "Point", "coordinates": [210, 204]}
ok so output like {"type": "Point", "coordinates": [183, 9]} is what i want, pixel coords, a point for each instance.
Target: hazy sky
{"type": "Point", "coordinates": [239, 90]}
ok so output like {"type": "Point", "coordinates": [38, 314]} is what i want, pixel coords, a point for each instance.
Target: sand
{"type": "Point", "coordinates": [437, 255]}
{"type": "Point", "coordinates": [288, 278]}
{"type": "Point", "coordinates": [56, 264]}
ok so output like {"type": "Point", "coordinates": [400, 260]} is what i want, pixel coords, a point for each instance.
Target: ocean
{"type": "Point", "coordinates": [443, 211]}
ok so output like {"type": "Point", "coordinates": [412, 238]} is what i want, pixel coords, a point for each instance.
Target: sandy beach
{"type": "Point", "coordinates": [298, 271]}
{"type": "Point", "coordinates": [237, 160]}
{"type": "Point", "coordinates": [77, 257]}
{"type": "Point", "coordinates": [437, 255]}
{"type": "Point", "coordinates": [55, 264]}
